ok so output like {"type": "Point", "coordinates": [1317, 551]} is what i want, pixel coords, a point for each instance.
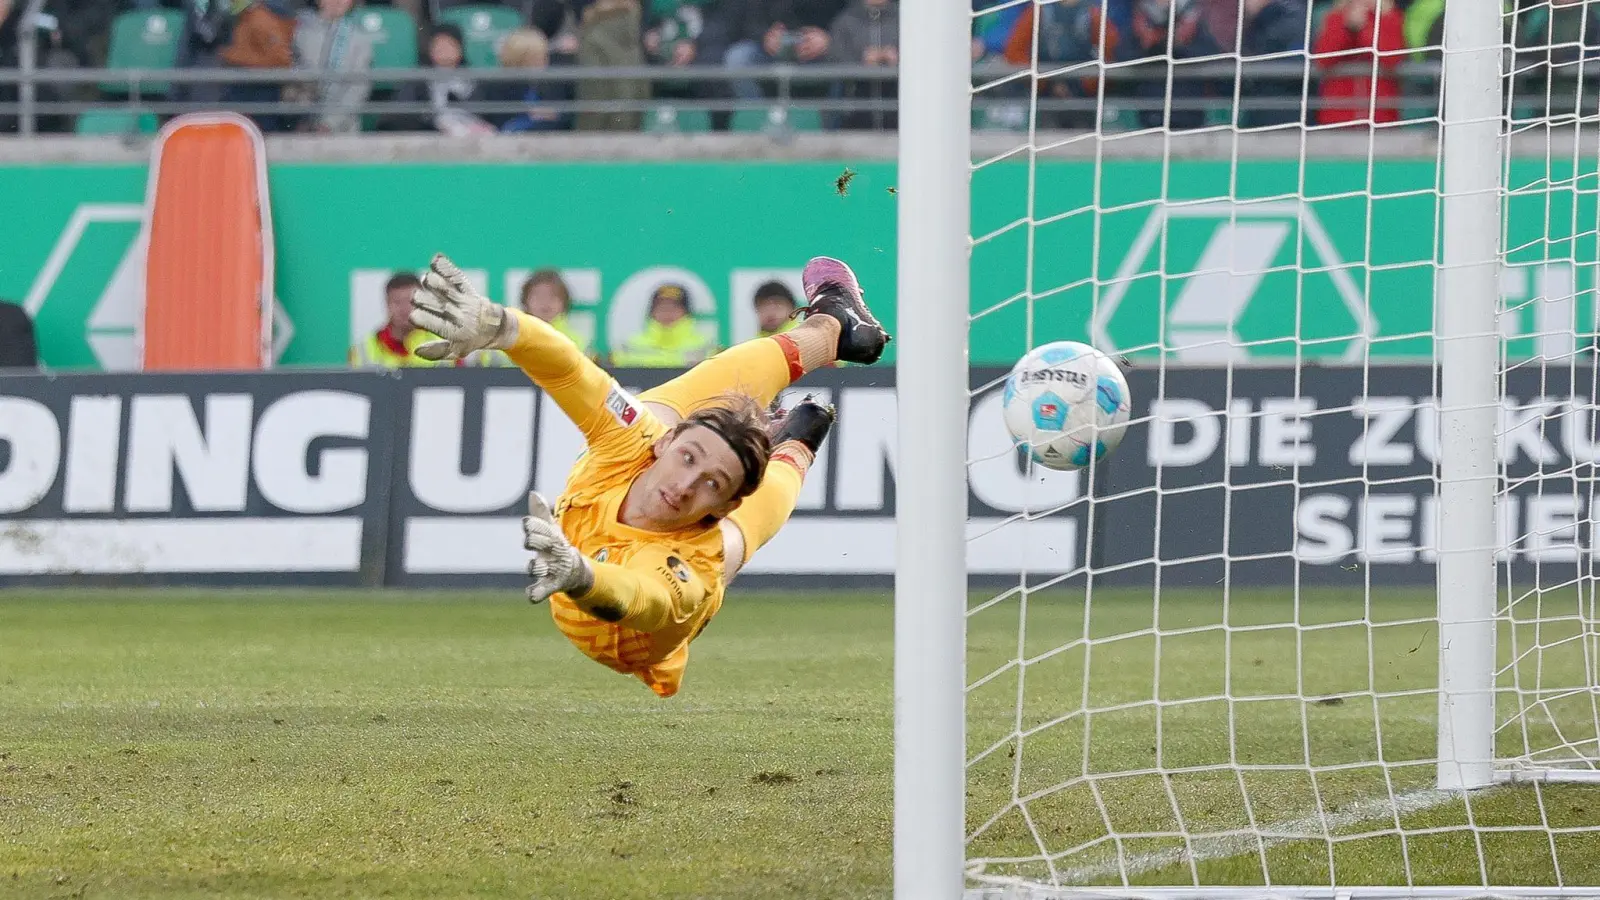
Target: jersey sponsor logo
{"type": "Point", "coordinates": [674, 585]}
{"type": "Point", "coordinates": [678, 569]}
{"type": "Point", "coordinates": [621, 406]}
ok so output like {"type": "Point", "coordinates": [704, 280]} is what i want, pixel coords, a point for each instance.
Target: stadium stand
{"type": "Point", "coordinates": [669, 62]}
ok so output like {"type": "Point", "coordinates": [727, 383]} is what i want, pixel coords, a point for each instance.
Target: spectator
{"type": "Point", "coordinates": [670, 338]}
{"type": "Point", "coordinates": [1070, 31]}
{"type": "Point", "coordinates": [610, 33]}
{"type": "Point", "coordinates": [394, 345]}
{"type": "Point", "coordinates": [10, 20]}
{"type": "Point", "coordinates": [51, 51]}
{"type": "Point", "coordinates": [1222, 20]}
{"type": "Point", "coordinates": [672, 29]}
{"type": "Point", "coordinates": [762, 32]}
{"type": "Point", "coordinates": [447, 86]}
{"type": "Point", "coordinates": [1425, 26]}
{"type": "Point", "coordinates": [18, 347]}
{"type": "Point", "coordinates": [262, 38]}
{"type": "Point", "coordinates": [1350, 32]}
{"type": "Point", "coordinates": [1180, 25]}
{"type": "Point", "coordinates": [207, 30]}
{"type": "Point", "coordinates": [1276, 29]}
{"type": "Point", "coordinates": [557, 22]}
{"type": "Point", "coordinates": [775, 306]}
{"type": "Point", "coordinates": [83, 27]}
{"type": "Point", "coordinates": [672, 33]}
{"type": "Point", "coordinates": [867, 33]}
{"type": "Point", "coordinates": [527, 48]}
{"type": "Point", "coordinates": [1551, 53]}
{"type": "Point", "coordinates": [544, 295]}
{"type": "Point", "coordinates": [327, 40]}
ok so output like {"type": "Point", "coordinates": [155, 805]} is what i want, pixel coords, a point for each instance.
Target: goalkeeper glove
{"type": "Point", "coordinates": [465, 321]}
{"type": "Point", "coordinates": [556, 566]}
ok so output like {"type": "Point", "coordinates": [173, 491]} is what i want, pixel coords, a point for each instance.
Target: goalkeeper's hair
{"type": "Point", "coordinates": [745, 426]}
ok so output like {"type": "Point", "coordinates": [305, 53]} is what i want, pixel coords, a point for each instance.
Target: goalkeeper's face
{"type": "Point", "coordinates": [696, 475]}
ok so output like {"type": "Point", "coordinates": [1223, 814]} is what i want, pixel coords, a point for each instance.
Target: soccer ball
{"type": "Point", "coordinates": [1066, 404]}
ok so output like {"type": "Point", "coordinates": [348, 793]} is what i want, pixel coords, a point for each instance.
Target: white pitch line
{"type": "Point", "coordinates": [1205, 849]}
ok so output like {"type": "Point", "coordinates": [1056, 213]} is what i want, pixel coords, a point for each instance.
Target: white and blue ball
{"type": "Point", "coordinates": [1066, 404]}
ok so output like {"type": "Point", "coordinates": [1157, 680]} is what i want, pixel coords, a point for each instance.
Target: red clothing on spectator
{"type": "Point", "coordinates": [1338, 46]}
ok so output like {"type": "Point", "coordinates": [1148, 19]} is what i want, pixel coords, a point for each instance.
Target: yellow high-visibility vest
{"type": "Point", "coordinates": [788, 325]}
{"type": "Point", "coordinates": [674, 346]}
{"type": "Point", "coordinates": [380, 350]}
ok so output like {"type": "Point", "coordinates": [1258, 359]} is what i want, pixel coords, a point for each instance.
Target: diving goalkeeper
{"type": "Point", "coordinates": [676, 489]}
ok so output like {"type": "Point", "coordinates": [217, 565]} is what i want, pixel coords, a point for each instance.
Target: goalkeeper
{"type": "Point", "coordinates": [676, 489]}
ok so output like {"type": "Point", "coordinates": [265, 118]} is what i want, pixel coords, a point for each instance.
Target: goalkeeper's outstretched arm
{"type": "Point", "coordinates": [556, 365]}
{"type": "Point", "coordinates": [447, 305]}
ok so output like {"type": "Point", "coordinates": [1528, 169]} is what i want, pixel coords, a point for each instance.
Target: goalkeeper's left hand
{"type": "Point", "coordinates": [447, 305]}
{"type": "Point", "coordinates": [557, 566]}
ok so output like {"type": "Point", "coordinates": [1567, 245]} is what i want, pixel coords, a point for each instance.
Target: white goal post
{"type": "Point", "coordinates": [1331, 627]}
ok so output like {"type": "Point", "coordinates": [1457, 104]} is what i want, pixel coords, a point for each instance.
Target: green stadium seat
{"type": "Point", "coordinates": [394, 37]}
{"type": "Point", "coordinates": [483, 26]}
{"type": "Point", "coordinates": [797, 118]}
{"type": "Point", "coordinates": [116, 121]}
{"type": "Point", "coordinates": [143, 39]}
{"type": "Point", "coordinates": [670, 118]}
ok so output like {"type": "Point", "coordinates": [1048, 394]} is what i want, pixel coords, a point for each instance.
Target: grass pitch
{"type": "Point", "coordinates": [304, 744]}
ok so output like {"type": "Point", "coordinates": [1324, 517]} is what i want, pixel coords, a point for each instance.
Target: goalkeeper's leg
{"type": "Point", "coordinates": [837, 326]}
{"type": "Point", "coordinates": [758, 369]}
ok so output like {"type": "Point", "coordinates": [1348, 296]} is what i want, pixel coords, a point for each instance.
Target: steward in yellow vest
{"type": "Point", "coordinates": [393, 346]}
{"type": "Point", "coordinates": [775, 306]}
{"type": "Point", "coordinates": [544, 295]}
{"type": "Point", "coordinates": [669, 339]}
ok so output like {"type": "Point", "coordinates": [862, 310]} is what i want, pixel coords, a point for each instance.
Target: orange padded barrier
{"type": "Point", "coordinates": [208, 270]}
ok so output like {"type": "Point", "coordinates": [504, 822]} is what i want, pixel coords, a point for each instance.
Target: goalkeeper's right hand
{"type": "Point", "coordinates": [465, 321]}
{"type": "Point", "coordinates": [556, 566]}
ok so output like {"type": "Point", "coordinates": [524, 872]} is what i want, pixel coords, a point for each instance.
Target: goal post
{"type": "Point", "coordinates": [931, 374]}
{"type": "Point", "coordinates": [1327, 623]}
{"type": "Point", "coordinates": [1469, 397]}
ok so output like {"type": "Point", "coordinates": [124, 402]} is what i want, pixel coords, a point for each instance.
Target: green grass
{"type": "Point", "coordinates": [305, 744]}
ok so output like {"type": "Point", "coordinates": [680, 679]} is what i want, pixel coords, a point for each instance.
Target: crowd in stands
{"type": "Point", "coordinates": [1355, 52]}
{"type": "Point", "coordinates": [671, 335]}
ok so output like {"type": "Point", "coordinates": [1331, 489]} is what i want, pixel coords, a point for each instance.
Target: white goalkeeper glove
{"type": "Point", "coordinates": [556, 566]}
{"type": "Point", "coordinates": [465, 321]}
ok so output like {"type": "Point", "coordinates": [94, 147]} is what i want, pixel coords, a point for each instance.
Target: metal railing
{"type": "Point", "coordinates": [1284, 84]}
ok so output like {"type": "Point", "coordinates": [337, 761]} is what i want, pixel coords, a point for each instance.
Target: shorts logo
{"type": "Point", "coordinates": [603, 554]}
{"type": "Point", "coordinates": [678, 569]}
{"type": "Point", "coordinates": [621, 406]}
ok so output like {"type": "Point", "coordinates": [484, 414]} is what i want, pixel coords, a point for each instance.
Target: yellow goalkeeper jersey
{"type": "Point", "coordinates": [678, 574]}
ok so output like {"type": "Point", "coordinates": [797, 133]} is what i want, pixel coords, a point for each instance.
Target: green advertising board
{"type": "Point", "coordinates": [1266, 260]}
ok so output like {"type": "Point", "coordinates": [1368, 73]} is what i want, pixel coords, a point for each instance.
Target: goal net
{"type": "Point", "coordinates": [1325, 624]}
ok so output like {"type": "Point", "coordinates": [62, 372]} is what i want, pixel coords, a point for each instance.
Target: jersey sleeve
{"type": "Point", "coordinates": [613, 422]}
{"type": "Point", "coordinates": [652, 590]}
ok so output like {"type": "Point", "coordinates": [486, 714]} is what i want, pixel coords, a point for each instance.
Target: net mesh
{"type": "Point", "coordinates": [1225, 670]}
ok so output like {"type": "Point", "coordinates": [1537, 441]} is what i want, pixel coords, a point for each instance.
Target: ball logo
{"type": "Point", "coordinates": [1055, 376]}
{"type": "Point", "coordinates": [1049, 412]}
